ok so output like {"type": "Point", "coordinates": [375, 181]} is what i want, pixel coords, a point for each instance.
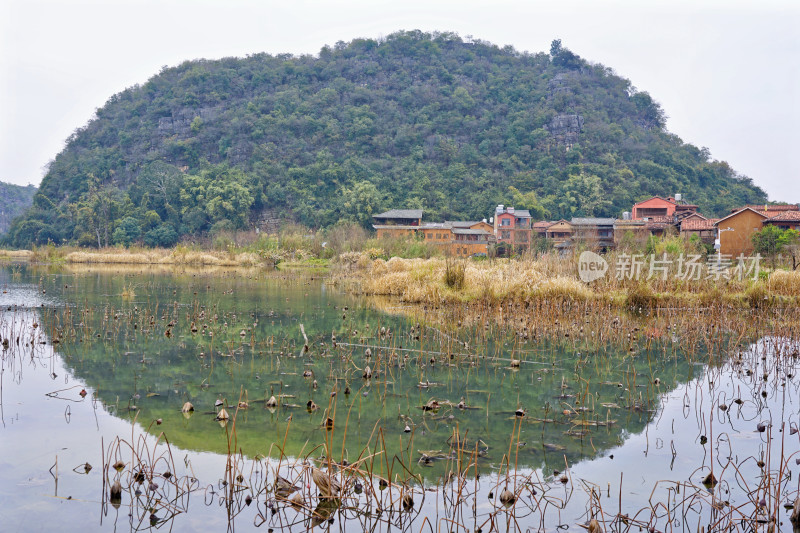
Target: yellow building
{"type": "Point", "coordinates": [735, 231]}
{"type": "Point", "coordinates": [458, 238]}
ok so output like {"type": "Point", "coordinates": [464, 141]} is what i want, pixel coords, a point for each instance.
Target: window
{"type": "Point", "coordinates": [505, 222]}
{"type": "Point", "coordinates": [505, 234]}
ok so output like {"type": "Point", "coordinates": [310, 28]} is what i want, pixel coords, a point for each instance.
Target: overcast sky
{"type": "Point", "coordinates": [726, 72]}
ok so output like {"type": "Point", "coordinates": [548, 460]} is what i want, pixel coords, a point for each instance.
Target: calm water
{"type": "Point", "coordinates": [624, 428]}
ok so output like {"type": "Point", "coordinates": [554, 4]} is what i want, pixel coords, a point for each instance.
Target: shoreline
{"type": "Point", "coordinates": [453, 282]}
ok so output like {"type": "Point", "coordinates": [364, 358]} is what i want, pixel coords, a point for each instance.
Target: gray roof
{"type": "Point", "coordinates": [434, 225]}
{"type": "Point", "coordinates": [462, 223]}
{"type": "Point", "coordinates": [463, 231]}
{"type": "Point", "coordinates": [400, 213]}
{"type": "Point", "coordinates": [593, 221]}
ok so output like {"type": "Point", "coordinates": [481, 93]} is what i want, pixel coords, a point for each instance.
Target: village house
{"type": "Point", "coordinates": [697, 224]}
{"type": "Point", "coordinates": [630, 232]}
{"type": "Point", "coordinates": [397, 222]}
{"type": "Point", "coordinates": [734, 232]}
{"type": "Point", "coordinates": [559, 232]}
{"type": "Point", "coordinates": [512, 228]}
{"type": "Point", "coordinates": [596, 233]}
{"type": "Point", "coordinates": [479, 224]}
{"type": "Point", "coordinates": [662, 207]}
{"type": "Point", "coordinates": [785, 220]}
{"type": "Point", "coordinates": [539, 229]}
{"type": "Point", "coordinates": [462, 238]}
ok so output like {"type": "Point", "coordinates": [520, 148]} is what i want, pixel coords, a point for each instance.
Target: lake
{"type": "Point", "coordinates": [427, 419]}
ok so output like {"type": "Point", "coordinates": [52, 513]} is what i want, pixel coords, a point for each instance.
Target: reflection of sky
{"type": "Point", "coordinates": [39, 429]}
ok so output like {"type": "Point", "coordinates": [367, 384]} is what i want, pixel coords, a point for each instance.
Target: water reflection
{"type": "Point", "coordinates": [446, 409]}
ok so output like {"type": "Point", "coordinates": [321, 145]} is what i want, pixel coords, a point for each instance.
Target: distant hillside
{"type": "Point", "coordinates": [14, 200]}
{"type": "Point", "coordinates": [412, 120]}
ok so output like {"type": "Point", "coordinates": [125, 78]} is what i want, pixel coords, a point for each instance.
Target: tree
{"type": "Point", "coordinates": [528, 201]}
{"type": "Point", "coordinates": [127, 231]}
{"type": "Point", "coordinates": [582, 195]}
{"type": "Point", "coordinates": [98, 209]}
{"type": "Point", "coordinates": [771, 240]}
{"type": "Point", "coordinates": [360, 202]}
{"type": "Point", "coordinates": [220, 192]}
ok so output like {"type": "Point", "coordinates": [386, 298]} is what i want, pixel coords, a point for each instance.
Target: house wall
{"type": "Point", "coordinates": [635, 233]}
{"type": "Point", "coordinates": [639, 210]}
{"type": "Point", "coordinates": [560, 232]}
{"type": "Point", "coordinates": [465, 248]}
{"type": "Point", "coordinates": [394, 232]}
{"type": "Point", "coordinates": [437, 235]}
{"type": "Point", "coordinates": [738, 241]}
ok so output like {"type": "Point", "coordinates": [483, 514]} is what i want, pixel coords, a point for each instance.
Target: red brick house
{"type": "Point", "coordinates": [662, 207]}
{"type": "Point", "coordinates": [512, 227]}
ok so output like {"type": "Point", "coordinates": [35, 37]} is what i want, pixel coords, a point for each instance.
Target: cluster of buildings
{"type": "Point", "coordinates": [513, 230]}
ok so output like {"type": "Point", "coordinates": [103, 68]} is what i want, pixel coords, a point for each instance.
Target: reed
{"type": "Point", "coordinates": [548, 278]}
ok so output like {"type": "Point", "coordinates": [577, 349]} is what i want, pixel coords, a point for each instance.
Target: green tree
{"type": "Point", "coordinates": [582, 195]}
{"type": "Point", "coordinates": [771, 240]}
{"type": "Point", "coordinates": [529, 201]}
{"type": "Point", "coordinates": [360, 202]}
{"type": "Point", "coordinates": [127, 231]}
{"type": "Point", "coordinates": [220, 192]}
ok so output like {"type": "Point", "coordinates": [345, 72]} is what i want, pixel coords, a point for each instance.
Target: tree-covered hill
{"type": "Point", "coordinates": [412, 120]}
{"type": "Point", "coordinates": [14, 200]}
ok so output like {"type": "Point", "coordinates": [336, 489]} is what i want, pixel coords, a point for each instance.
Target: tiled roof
{"type": "Point", "coordinates": [542, 224]}
{"type": "Point", "coordinates": [401, 213]}
{"type": "Point", "coordinates": [659, 222]}
{"type": "Point", "coordinates": [785, 216]}
{"type": "Point", "coordinates": [697, 224]}
{"type": "Point", "coordinates": [654, 198]}
{"type": "Point", "coordinates": [760, 213]}
{"type": "Point", "coordinates": [462, 223]}
{"type": "Point", "coordinates": [770, 208]}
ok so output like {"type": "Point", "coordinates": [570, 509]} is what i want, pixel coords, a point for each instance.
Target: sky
{"type": "Point", "coordinates": [726, 72]}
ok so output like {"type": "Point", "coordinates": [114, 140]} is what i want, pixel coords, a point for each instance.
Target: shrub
{"type": "Point", "coordinates": [641, 296]}
{"type": "Point", "coordinates": [454, 274]}
{"type": "Point", "coordinates": [164, 236]}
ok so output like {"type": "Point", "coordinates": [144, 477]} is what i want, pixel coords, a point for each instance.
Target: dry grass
{"type": "Point", "coordinates": [425, 281]}
{"type": "Point", "coordinates": [555, 279]}
{"type": "Point", "coordinates": [178, 256]}
{"type": "Point", "coordinates": [19, 255]}
{"type": "Point", "coordinates": [785, 282]}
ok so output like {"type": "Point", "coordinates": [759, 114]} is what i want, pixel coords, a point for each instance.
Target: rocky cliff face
{"type": "Point", "coordinates": [565, 129]}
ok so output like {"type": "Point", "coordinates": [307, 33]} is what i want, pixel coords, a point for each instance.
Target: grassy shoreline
{"type": "Point", "coordinates": [453, 282]}
{"type": "Point", "coordinates": [448, 281]}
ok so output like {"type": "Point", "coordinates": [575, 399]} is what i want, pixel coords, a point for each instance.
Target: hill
{"type": "Point", "coordinates": [412, 120]}
{"type": "Point", "coordinates": [14, 200]}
